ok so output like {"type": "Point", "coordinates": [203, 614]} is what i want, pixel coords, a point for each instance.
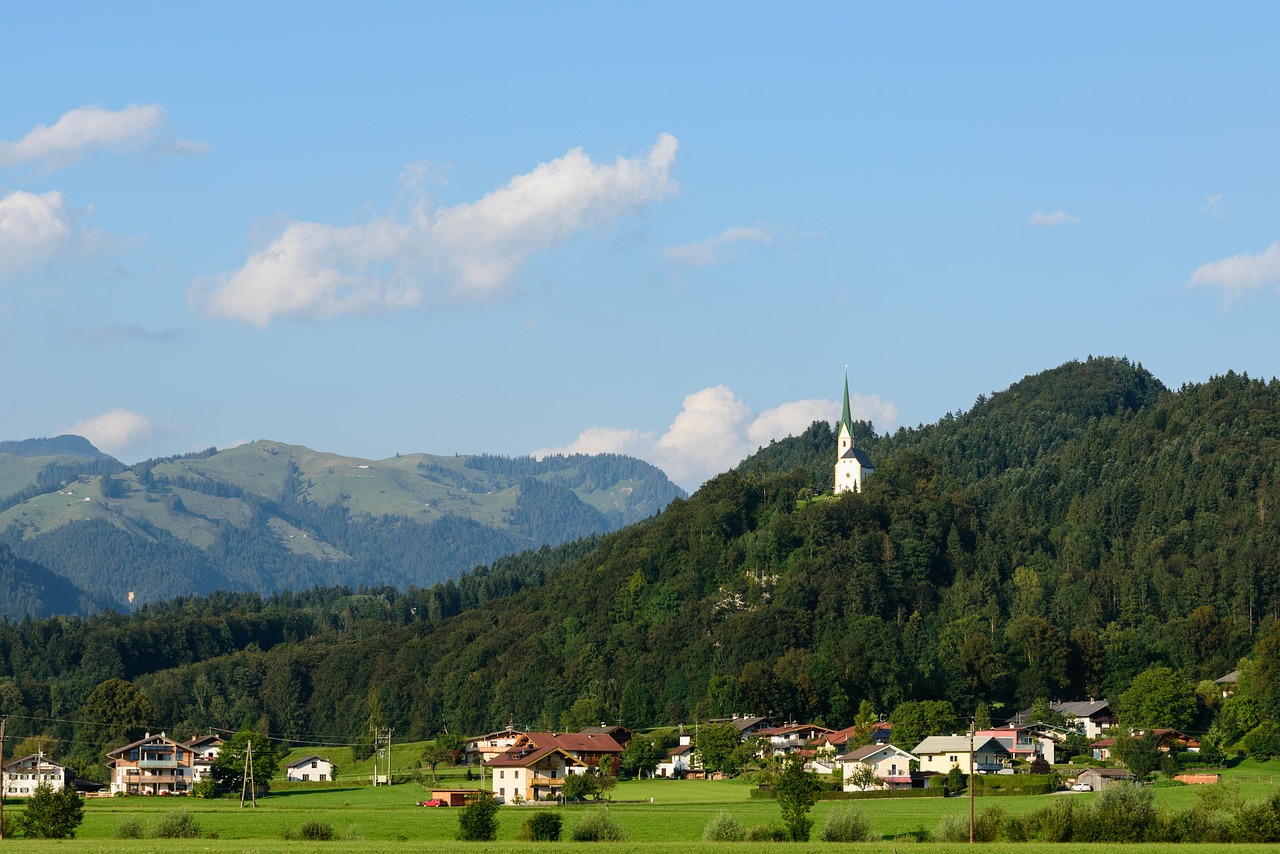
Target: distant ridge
{"type": "Point", "coordinates": [66, 444]}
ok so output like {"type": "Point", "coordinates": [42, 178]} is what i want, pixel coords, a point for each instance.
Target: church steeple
{"type": "Point", "coordinates": [852, 465]}
{"type": "Point", "coordinates": [846, 418]}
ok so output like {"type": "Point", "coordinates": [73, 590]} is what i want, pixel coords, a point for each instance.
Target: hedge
{"type": "Point", "coordinates": [1014, 784]}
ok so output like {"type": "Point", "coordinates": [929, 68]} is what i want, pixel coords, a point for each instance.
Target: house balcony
{"type": "Point", "coordinates": [157, 763]}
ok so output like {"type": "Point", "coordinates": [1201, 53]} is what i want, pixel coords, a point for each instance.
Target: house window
{"type": "Point", "coordinates": [322, 778]}
{"type": "Point", "coordinates": [315, 765]}
{"type": "Point", "coordinates": [306, 778]}
{"type": "Point", "coordinates": [502, 775]}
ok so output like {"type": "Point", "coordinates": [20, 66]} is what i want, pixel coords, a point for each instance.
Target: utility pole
{"type": "Point", "coordinates": [3, 718]}
{"type": "Point", "coordinates": [246, 779]}
{"type": "Point", "coordinates": [971, 781]}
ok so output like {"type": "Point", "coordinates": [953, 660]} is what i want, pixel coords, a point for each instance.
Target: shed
{"type": "Point", "coordinates": [453, 797]}
{"type": "Point", "coordinates": [1101, 778]}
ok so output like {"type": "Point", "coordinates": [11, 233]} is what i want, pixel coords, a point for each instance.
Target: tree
{"type": "Point", "coordinates": [639, 756]}
{"type": "Point", "coordinates": [579, 787]}
{"type": "Point", "coordinates": [1158, 697]}
{"type": "Point", "coordinates": [863, 777]}
{"type": "Point", "coordinates": [116, 712]}
{"type": "Point", "coordinates": [1141, 755]}
{"type": "Point", "coordinates": [52, 814]}
{"type": "Point", "coordinates": [478, 820]}
{"type": "Point", "coordinates": [433, 756]}
{"type": "Point", "coordinates": [714, 745]}
{"type": "Point", "coordinates": [228, 768]}
{"type": "Point", "coordinates": [796, 791]}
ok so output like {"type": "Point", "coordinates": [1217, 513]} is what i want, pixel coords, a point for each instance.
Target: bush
{"type": "Point", "coordinates": [542, 826]}
{"type": "Point", "coordinates": [768, 833]}
{"type": "Point", "coordinates": [1123, 813]}
{"type": "Point", "coordinates": [206, 788]}
{"type": "Point", "coordinates": [130, 828]}
{"type": "Point", "coordinates": [952, 828]}
{"type": "Point", "coordinates": [314, 830]}
{"type": "Point", "coordinates": [723, 827]}
{"type": "Point", "coordinates": [179, 824]}
{"type": "Point", "coordinates": [846, 825]}
{"type": "Point", "coordinates": [478, 820]}
{"type": "Point", "coordinates": [52, 815]}
{"type": "Point", "coordinates": [598, 827]}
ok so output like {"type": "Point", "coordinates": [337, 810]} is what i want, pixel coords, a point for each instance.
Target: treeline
{"type": "Point", "coordinates": [1129, 538]}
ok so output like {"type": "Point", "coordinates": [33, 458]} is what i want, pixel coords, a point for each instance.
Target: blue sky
{"type": "Point", "coordinates": [657, 229]}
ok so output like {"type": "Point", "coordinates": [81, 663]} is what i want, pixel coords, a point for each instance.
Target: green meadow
{"type": "Point", "coordinates": [655, 814]}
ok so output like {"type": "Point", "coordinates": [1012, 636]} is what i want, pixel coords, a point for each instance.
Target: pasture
{"type": "Point", "coordinates": [656, 815]}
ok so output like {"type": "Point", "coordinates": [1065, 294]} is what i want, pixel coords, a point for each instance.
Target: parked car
{"type": "Point", "coordinates": [1082, 787]}
{"type": "Point", "coordinates": [434, 802]}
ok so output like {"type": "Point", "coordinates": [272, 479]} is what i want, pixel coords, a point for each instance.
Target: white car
{"type": "Point", "coordinates": [1082, 787]}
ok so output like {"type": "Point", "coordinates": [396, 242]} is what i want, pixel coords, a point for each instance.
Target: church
{"type": "Point", "coordinates": [852, 464]}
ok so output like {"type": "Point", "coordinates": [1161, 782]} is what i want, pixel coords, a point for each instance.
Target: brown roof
{"type": "Point", "coordinates": [158, 740]}
{"type": "Point", "coordinates": [522, 757]}
{"type": "Point", "coordinates": [575, 742]}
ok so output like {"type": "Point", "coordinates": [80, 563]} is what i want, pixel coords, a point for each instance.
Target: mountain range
{"type": "Point", "coordinates": [80, 531]}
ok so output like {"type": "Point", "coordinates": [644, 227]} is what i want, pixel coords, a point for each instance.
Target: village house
{"type": "Point", "coordinates": [941, 753]}
{"type": "Point", "coordinates": [152, 765]}
{"type": "Point", "coordinates": [679, 761]}
{"type": "Point", "coordinates": [206, 748]}
{"type": "Point", "coordinates": [482, 748]}
{"type": "Point", "coordinates": [534, 766]}
{"type": "Point", "coordinates": [532, 773]}
{"type": "Point", "coordinates": [1091, 717]}
{"type": "Point", "coordinates": [1167, 739]}
{"type": "Point", "coordinates": [890, 765]}
{"type": "Point", "coordinates": [746, 725]}
{"type": "Point", "coordinates": [1023, 743]}
{"type": "Point", "coordinates": [23, 776]}
{"type": "Point", "coordinates": [311, 769]}
{"type": "Point", "coordinates": [790, 738]}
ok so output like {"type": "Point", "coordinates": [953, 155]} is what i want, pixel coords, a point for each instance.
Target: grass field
{"type": "Point", "coordinates": [657, 815]}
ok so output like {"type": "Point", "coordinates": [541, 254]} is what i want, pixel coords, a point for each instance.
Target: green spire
{"type": "Point", "coordinates": [846, 418]}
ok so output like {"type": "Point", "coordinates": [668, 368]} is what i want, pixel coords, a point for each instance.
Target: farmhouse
{"type": "Point", "coordinates": [531, 773]}
{"type": "Point", "coordinates": [312, 769]}
{"type": "Point", "coordinates": [23, 776]}
{"type": "Point", "coordinates": [482, 748]}
{"type": "Point", "coordinates": [206, 748]}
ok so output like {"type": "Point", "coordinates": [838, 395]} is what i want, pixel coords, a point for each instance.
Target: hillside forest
{"type": "Point", "coordinates": [1087, 532]}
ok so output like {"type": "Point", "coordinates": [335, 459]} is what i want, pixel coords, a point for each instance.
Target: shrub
{"type": "Point", "coordinates": [952, 828]}
{"type": "Point", "coordinates": [314, 830]}
{"type": "Point", "coordinates": [52, 815]}
{"type": "Point", "coordinates": [478, 820]}
{"type": "Point", "coordinates": [130, 828]}
{"type": "Point", "coordinates": [542, 826]}
{"type": "Point", "coordinates": [768, 833]}
{"type": "Point", "coordinates": [206, 788]}
{"type": "Point", "coordinates": [598, 827]}
{"type": "Point", "coordinates": [723, 827]}
{"type": "Point", "coordinates": [1123, 813]}
{"type": "Point", "coordinates": [1259, 821]}
{"type": "Point", "coordinates": [846, 825]}
{"type": "Point", "coordinates": [1055, 822]}
{"type": "Point", "coordinates": [353, 833]}
{"type": "Point", "coordinates": [179, 824]}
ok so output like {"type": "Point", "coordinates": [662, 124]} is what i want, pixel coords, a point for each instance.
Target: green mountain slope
{"type": "Point", "coordinates": [268, 516]}
{"type": "Point", "coordinates": [1013, 552]}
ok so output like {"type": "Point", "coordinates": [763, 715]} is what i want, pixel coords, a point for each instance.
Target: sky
{"type": "Point", "coordinates": [660, 229]}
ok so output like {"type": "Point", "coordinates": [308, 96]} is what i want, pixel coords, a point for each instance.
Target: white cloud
{"type": "Point", "coordinates": [32, 227]}
{"type": "Point", "coordinates": [1212, 206]}
{"type": "Point", "coordinates": [1052, 220]}
{"type": "Point", "coordinates": [715, 430]}
{"type": "Point", "coordinates": [83, 130]}
{"type": "Point", "coordinates": [718, 249]}
{"type": "Point", "coordinates": [1240, 274]}
{"type": "Point", "coordinates": [472, 251]}
{"type": "Point", "coordinates": [114, 431]}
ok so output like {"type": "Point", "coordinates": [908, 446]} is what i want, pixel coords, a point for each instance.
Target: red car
{"type": "Point", "coordinates": [434, 802]}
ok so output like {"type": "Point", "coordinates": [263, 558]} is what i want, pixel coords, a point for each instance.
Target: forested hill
{"type": "Point", "coordinates": [269, 516]}
{"type": "Point", "coordinates": [1055, 541]}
